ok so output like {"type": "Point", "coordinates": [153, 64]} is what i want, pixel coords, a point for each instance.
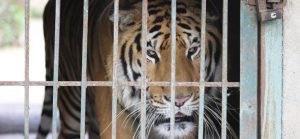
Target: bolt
{"type": "Point", "coordinates": [273, 15]}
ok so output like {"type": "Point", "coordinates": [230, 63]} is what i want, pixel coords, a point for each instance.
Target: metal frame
{"type": "Point", "coordinates": [249, 72]}
{"type": "Point", "coordinates": [271, 32]}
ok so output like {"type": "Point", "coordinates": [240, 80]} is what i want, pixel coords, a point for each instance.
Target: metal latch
{"type": "Point", "coordinates": [268, 9]}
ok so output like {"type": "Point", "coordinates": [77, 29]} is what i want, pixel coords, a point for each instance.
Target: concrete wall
{"type": "Point", "coordinates": [291, 71]}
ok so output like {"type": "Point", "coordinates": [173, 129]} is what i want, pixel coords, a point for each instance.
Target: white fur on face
{"type": "Point", "coordinates": [181, 130]}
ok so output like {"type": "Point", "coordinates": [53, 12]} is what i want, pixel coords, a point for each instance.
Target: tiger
{"type": "Point", "coordinates": [129, 68]}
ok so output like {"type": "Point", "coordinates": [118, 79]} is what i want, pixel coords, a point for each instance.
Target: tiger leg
{"type": "Point", "coordinates": [46, 116]}
{"type": "Point", "coordinates": [69, 108]}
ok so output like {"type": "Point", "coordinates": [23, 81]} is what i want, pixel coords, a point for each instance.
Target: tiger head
{"type": "Point", "coordinates": [188, 48]}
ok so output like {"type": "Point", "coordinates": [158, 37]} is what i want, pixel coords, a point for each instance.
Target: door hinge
{"type": "Point", "coordinates": [268, 9]}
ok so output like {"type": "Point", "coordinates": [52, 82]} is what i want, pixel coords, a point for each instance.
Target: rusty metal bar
{"type": "Point", "coordinates": [109, 83]}
{"type": "Point", "coordinates": [144, 69]}
{"type": "Point", "coordinates": [224, 67]}
{"type": "Point", "coordinates": [56, 64]}
{"type": "Point", "coordinates": [115, 70]}
{"type": "Point", "coordinates": [271, 79]}
{"type": "Point", "coordinates": [173, 68]}
{"type": "Point", "coordinates": [202, 70]}
{"type": "Point", "coordinates": [26, 99]}
{"type": "Point", "coordinates": [83, 69]}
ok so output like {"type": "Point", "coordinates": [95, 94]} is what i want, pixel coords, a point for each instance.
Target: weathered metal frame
{"type": "Point", "coordinates": [271, 79]}
{"type": "Point", "coordinates": [249, 71]}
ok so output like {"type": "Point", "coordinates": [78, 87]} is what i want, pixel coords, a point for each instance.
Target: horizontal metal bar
{"type": "Point", "coordinates": [109, 83]}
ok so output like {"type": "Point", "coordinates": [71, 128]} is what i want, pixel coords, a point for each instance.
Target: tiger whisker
{"type": "Point", "coordinates": [118, 116]}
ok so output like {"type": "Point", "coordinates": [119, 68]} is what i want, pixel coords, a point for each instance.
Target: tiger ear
{"type": "Point", "coordinates": [126, 18]}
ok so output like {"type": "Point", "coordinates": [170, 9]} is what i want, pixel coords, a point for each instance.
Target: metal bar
{"type": "Point", "coordinates": [115, 70]}
{"type": "Point", "coordinates": [202, 70]}
{"type": "Point", "coordinates": [56, 64]}
{"type": "Point", "coordinates": [109, 83]}
{"type": "Point", "coordinates": [271, 78]}
{"type": "Point", "coordinates": [26, 100]}
{"type": "Point", "coordinates": [249, 70]}
{"type": "Point", "coordinates": [144, 69]}
{"type": "Point", "coordinates": [173, 68]}
{"type": "Point", "coordinates": [224, 68]}
{"type": "Point", "coordinates": [83, 69]}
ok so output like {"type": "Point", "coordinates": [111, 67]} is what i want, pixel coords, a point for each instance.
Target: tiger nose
{"type": "Point", "coordinates": [180, 100]}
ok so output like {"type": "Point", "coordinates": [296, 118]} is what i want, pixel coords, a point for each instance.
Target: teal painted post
{"type": "Point", "coordinates": [271, 78]}
{"type": "Point", "coordinates": [249, 72]}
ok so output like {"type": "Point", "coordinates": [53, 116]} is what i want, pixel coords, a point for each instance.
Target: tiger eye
{"type": "Point", "coordinates": [193, 50]}
{"type": "Point", "coordinates": [151, 53]}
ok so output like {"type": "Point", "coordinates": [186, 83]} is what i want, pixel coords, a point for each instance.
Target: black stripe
{"type": "Point", "coordinates": [139, 63]}
{"type": "Point", "coordinates": [158, 19]}
{"type": "Point", "coordinates": [185, 26]}
{"type": "Point", "coordinates": [155, 28]}
{"type": "Point", "coordinates": [152, 12]}
{"type": "Point", "coordinates": [218, 47]}
{"type": "Point", "coordinates": [181, 4]}
{"type": "Point", "coordinates": [188, 34]}
{"type": "Point", "coordinates": [210, 49]}
{"type": "Point", "coordinates": [137, 41]}
{"type": "Point", "coordinates": [181, 10]}
{"type": "Point", "coordinates": [133, 91]}
{"type": "Point", "coordinates": [130, 56]}
{"type": "Point", "coordinates": [157, 35]}
{"type": "Point", "coordinates": [167, 36]}
{"type": "Point", "coordinates": [163, 3]}
{"type": "Point", "coordinates": [193, 19]}
{"type": "Point", "coordinates": [134, 74]}
{"type": "Point", "coordinates": [68, 108]}
{"type": "Point", "coordinates": [70, 136]}
{"type": "Point", "coordinates": [195, 40]}
{"type": "Point", "coordinates": [43, 132]}
{"type": "Point", "coordinates": [123, 60]}
{"type": "Point", "coordinates": [198, 29]}
{"type": "Point", "coordinates": [47, 112]}
{"type": "Point", "coordinates": [75, 103]}
{"type": "Point", "coordinates": [66, 126]}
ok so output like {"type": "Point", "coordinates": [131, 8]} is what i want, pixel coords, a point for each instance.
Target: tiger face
{"type": "Point", "coordinates": [188, 48]}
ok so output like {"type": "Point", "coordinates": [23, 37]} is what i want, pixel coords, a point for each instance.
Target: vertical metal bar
{"type": "Point", "coordinates": [202, 70]}
{"type": "Point", "coordinates": [115, 70]}
{"type": "Point", "coordinates": [56, 64]}
{"type": "Point", "coordinates": [249, 70]}
{"type": "Point", "coordinates": [224, 67]}
{"type": "Point", "coordinates": [26, 100]}
{"type": "Point", "coordinates": [144, 69]}
{"type": "Point", "coordinates": [173, 68]}
{"type": "Point", "coordinates": [271, 78]}
{"type": "Point", "coordinates": [83, 70]}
